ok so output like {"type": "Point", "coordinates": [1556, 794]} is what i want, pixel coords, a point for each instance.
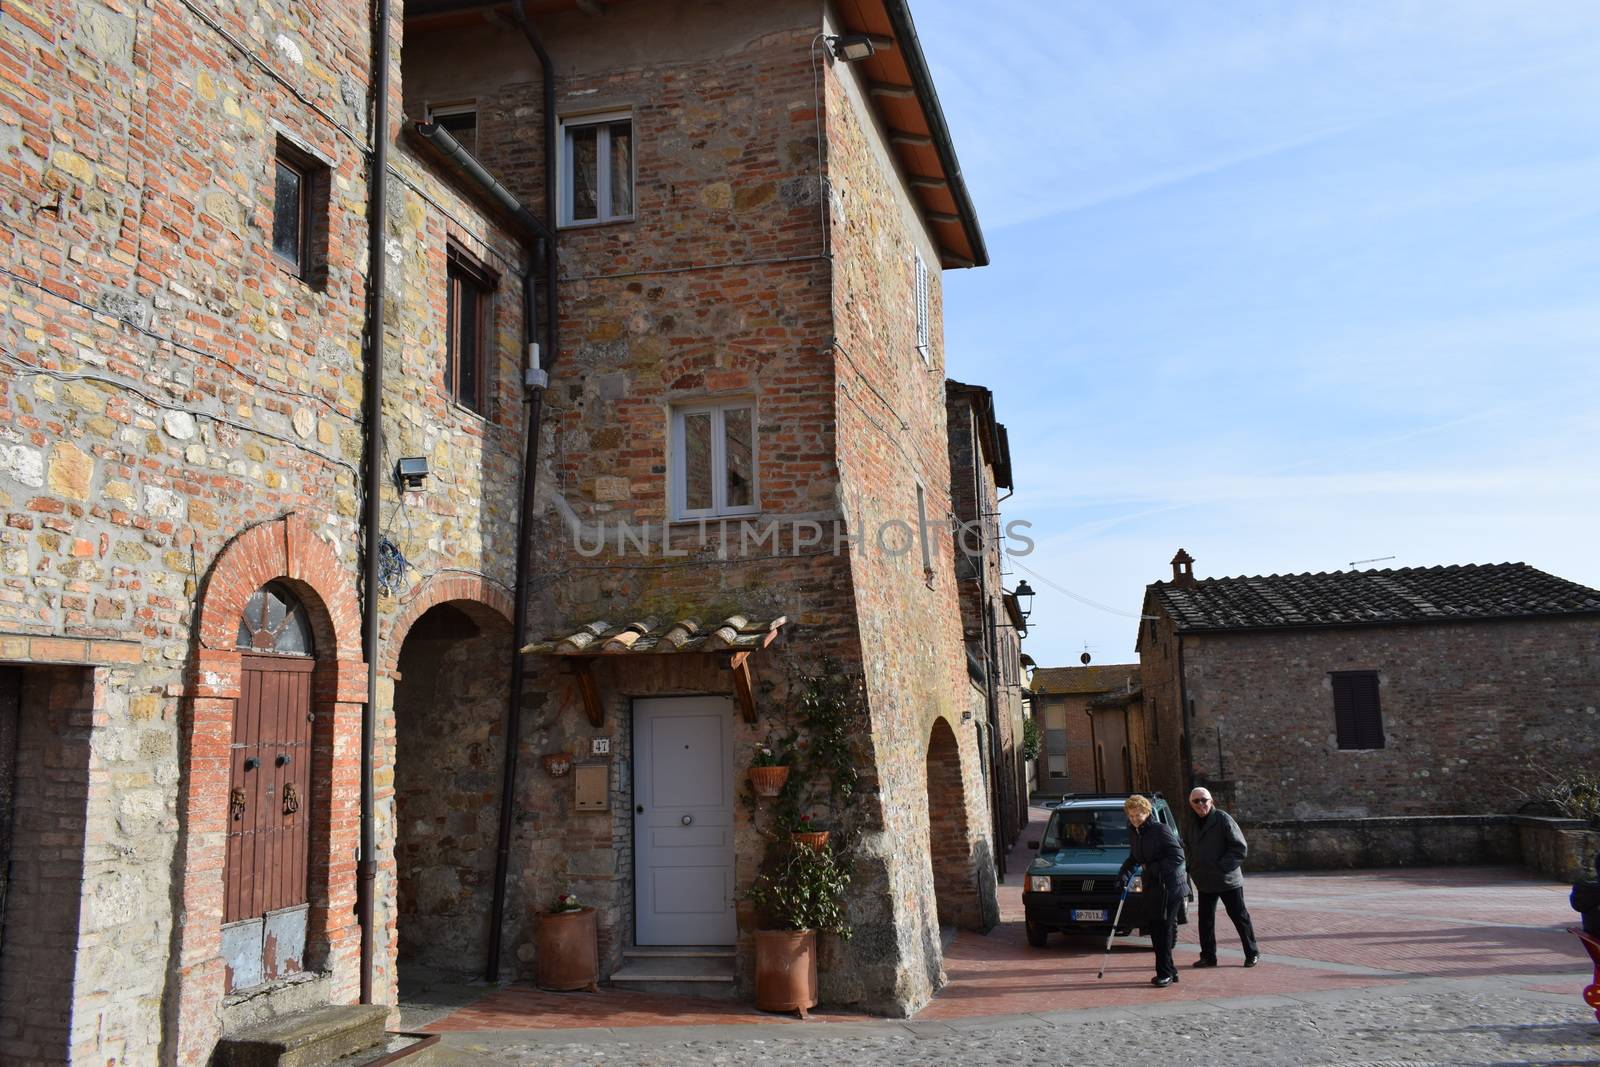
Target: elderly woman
{"type": "Point", "coordinates": [1155, 846]}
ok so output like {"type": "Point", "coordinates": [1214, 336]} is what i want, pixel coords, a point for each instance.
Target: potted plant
{"type": "Point", "coordinates": [809, 833]}
{"type": "Point", "coordinates": [799, 894]}
{"type": "Point", "coordinates": [769, 770]}
{"type": "Point", "coordinates": [566, 947]}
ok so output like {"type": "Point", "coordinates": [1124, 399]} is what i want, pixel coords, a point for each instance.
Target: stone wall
{"type": "Point", "coordinates": [1561, 849]}
{"type": "Point", "coordinates": [169, 384]}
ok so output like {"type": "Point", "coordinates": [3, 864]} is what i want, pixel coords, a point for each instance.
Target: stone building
{"type": "Point", "coordinates": [746, 427]}
{"type": "Point", "coordinates": [1417, 691]}
{"type": "Point", "coordinates": [1068, 761]}
{"type": "Point", "coordinates": [992, 617]}
{"type": "Point", "coordinates": [220, 586]}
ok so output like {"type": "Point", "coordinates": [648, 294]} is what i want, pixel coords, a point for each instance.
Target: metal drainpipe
{"type": "Point", "coordinates": [535, 401]}
{"type": "Point", "coordinates": [372, 432]}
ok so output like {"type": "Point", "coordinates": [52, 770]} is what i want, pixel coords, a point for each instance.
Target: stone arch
{"type": "Point", "coordinates": [283, 550]}
{"type": "Point", "coordinates": [950, 831]}
{"type": "Point", "coordinates": [472, 593]}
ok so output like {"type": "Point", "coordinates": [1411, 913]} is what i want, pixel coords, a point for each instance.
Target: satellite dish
{"type": "Point", "coordinates": [1084, 659]}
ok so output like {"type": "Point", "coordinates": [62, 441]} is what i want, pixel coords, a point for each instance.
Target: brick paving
{"type": "Point", "coordinates": [1414, 947]}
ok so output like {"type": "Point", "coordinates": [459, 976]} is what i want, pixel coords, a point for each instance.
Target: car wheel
{"type": "Point", "coordinates": [1037, 935]}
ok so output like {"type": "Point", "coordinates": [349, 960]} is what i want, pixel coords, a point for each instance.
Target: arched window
{"type": "Point", "coordinates": [275, 623]}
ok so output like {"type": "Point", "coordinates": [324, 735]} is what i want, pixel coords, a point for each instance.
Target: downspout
{"type": "Point", "coordinates": [537, 379]}
{"type": "Point", "coordinates": [372, 444]}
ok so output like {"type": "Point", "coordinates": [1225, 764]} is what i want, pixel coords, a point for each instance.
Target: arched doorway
{"type": "Point", "coordinates": [450, 706]}
{"type": "Point", "coordinates": [955, 881]}
{"type": "Point", "coordinates": [266, 898]}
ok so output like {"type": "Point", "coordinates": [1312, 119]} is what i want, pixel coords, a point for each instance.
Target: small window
{"type": "Point", "coordinates": [467, 331]}
{"type": "Point", "coordinates": [713, 459]}
{"type": "Point", "coordinates": [924, 323]}
{"type": "Point", "coordinates": [596, 169]}
{"type": "Point", "coordinates": [299, 210]}
{"type": "Point", "coordinates": [1155, 723]}
{"type": "Point", "coordinates": [460, 121]}
{"type": "Point", "coordinates": [1358, 720]}
{"type": "Point", "coordinates": [274, 622]}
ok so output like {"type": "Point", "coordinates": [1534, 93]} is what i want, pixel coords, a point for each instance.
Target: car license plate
{"type": "Point", "coordinates": [1088, 915]}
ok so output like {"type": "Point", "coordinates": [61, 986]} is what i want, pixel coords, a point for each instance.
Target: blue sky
{"type": "Point", "coordinates": [1286, 284]}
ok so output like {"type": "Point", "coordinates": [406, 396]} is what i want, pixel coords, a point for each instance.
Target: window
{"type": "Point", "coordinates": [467, 328]}
{"type": "Point", "coordinates": [461, 122]}
{"type": "Point", "coordinates": [299, 209]}
{"type": "Point", "coordinates": [1358, 720]}
{"type": "Point", "coordinates": [596, 168]}
{"type": "Point", "coordinates": [922, 537]}
{"type": "Point", "coordinates": [274, 621]}
{"type": "Point", "coordinates": [924, 325]}
{"type": "Point", "coordinates": [713, 460]}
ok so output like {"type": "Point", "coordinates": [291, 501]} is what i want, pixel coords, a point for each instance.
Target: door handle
{"type": "Point", "coordinates": [251, 763]}
{"type": "Point", "coordinates": [687, 820]}
{"type": "Point", "coordinates": [640, 809]}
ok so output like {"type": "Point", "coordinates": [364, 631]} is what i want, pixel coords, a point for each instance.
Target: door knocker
{"type": "Point", "coordinates": [236, 802]}
{"type": "Point", "coordinates": [291, 799]}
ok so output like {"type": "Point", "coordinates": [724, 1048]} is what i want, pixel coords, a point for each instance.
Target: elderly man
{"type": "Point", "coordinates": [1216, 849]}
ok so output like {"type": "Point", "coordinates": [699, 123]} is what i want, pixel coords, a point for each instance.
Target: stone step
{"type": "Point", "coordinates": [679, 952]}
{"type": "Point", "coordinates": [708, 974]}
{"type": "Point", "coordinates": [313, 1038]}
{"type": "Point", "coordinates": [394, 1048]}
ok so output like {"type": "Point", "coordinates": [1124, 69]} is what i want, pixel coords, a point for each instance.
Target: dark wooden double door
{"type": "Point", "coordinates": [269, 821]}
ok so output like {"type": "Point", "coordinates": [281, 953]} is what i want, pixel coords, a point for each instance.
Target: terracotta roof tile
{"type": "Point", "coordinates": [736, 633]}
{"type": "Point", "coordinates": [1102, 678]}
{"type": "Point", "coordinates": [1345, 598]}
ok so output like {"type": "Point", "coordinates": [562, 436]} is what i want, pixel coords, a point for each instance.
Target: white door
{"type": "Point", "coordinates": [683, 820]}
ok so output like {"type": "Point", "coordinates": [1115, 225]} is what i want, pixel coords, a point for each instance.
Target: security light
{"type": "Point", "coordinates": [1024, 595]}
{"type": "Point", "coordinates": [852, 47]}
{"type": "Point", "coordinates": [410, 471]}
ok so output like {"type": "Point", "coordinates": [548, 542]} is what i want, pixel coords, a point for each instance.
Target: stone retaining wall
{"type": "Point", "coordinates": [1559, 848]}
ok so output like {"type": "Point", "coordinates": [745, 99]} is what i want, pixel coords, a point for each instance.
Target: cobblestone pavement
{"type": "Point", "coordinates": [1444, 965]}
{"type": "Point", "coordinates": [1437, 1022]}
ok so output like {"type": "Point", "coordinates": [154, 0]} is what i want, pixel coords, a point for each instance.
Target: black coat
{"type": "Point", "coordinates": [1216, 850]}
{"type": "Point", "coordinates": [1156, 847]}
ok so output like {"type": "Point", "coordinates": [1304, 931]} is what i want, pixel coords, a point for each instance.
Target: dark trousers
{"type": "Point", "coordinates": [1164, 933]}
{"type": "Point", "coordinates": [1233, 900]}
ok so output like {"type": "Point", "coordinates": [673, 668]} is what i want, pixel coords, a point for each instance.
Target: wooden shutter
{"type": "Point", "coordinates": [1357, 716]}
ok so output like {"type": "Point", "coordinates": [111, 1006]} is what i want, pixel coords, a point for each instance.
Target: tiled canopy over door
{"type": "Point", "coordinates": [269, 811]}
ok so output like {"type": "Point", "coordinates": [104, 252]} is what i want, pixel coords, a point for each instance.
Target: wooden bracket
{"type": "Point", "coordinates": [581, 670]}
{"type": "Point", "coordinates": [743, 688]}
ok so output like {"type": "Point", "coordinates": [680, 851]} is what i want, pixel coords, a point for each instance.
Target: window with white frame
{"type": "Point", "coordinates": [596, 182]}
{"type": "Point", "coordinates": [713, 463]}
{"type": "Point", "coordinates": [924, 325]}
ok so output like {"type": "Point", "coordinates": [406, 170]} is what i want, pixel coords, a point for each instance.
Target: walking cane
{"type": "Point", "coordinates": [1116, 919]}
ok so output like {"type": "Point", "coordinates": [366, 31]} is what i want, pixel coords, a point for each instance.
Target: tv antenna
{"type": "Point", "coordinates": [1375, 559]}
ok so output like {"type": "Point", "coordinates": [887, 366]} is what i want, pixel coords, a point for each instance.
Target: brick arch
{"type": "Point", "coordinates": [473, 593]}
{"type": "Point", "coordinates": [283, 549]}
{"type": "Point", "coordinates": [950, 830]}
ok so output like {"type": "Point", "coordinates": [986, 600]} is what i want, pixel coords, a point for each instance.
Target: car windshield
{"type": "Point", "coordinates": [1087, 828]}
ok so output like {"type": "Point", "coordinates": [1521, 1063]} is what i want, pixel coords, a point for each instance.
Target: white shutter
{"type": "Point", "coordinates": [923, 328]}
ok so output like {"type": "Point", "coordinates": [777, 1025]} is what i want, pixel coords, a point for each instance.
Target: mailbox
{"type": "Point", "coordinates": [593, 786]}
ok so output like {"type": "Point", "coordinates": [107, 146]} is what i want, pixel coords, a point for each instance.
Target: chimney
{"type": "Point", "coordinates": [1182, 568]}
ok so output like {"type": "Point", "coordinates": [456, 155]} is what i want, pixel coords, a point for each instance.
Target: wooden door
{"type": "Point", "coordinates": [683, 821]}
{"type": "Point", "coordinates": [269, 819]}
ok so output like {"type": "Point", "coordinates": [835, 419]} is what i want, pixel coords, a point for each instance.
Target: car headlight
{"type": "Point", "coordinates": [1038, 883]}
{"type": "Point", "coordinates": [1137, 885]}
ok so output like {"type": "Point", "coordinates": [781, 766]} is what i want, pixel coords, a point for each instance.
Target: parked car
{"type": "Point", "coordinates": [1071, 886]}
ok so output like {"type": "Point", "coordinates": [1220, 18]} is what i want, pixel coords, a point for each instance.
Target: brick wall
{"type": "Point", "coordinates": [168, 384]}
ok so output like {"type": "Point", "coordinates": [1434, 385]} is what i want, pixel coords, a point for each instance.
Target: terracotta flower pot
{"type": "Point", "coordinates": [768, 781]}
{"type": "Point", "coordinates": [786, 970]}
{"type": "Point", "coordinates": [566, 956]}
{"type": "Point", "coordinates": [811, 838]}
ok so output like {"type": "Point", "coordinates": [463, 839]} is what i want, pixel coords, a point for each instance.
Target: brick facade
{"type": "Point", "coordinates": [181, 422]}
